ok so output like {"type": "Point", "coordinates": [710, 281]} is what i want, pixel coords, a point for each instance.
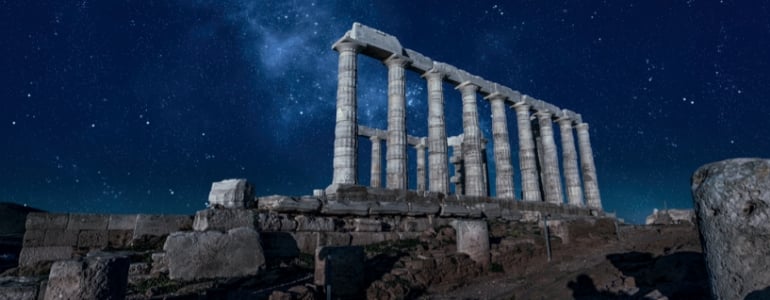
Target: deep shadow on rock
{"type": "Point", "coordinates": [759, 294]}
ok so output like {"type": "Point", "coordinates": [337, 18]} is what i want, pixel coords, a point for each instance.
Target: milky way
{"type": "Point", "coordinates": [113, 106]}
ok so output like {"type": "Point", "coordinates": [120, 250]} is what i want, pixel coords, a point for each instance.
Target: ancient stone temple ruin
{"type": "Point", "coordinates": [541, 179]}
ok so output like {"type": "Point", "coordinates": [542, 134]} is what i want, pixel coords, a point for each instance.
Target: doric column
{"type": "Point", "coordinates": [552, 182]}
{"type": "Point", "coordinates": [590, 184]}
{"type": "Point", "coordinates": [421, 165]}
{"type": "Point", "coordinates": [502, 148]}
{"type": "Point", "coordinates": [345, 130]}
{"type": "Point", "coordinates": [375, 180]}
{"type": "Point", "coordinates": [396, 148]}
{"type": "Point", "coordinates": [457, 161]}
{"type": "Point", "coordinates": [472, 160]}
{"type": "Point", "coordinates": [438, 174]}
{"type": "Point", "coordinates": [570, 163]}
{"type": "Point", "coordinates": [530, 187]}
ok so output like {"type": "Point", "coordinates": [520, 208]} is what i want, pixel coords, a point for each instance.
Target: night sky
{"type": "Point", "coordinates": [137, 106]}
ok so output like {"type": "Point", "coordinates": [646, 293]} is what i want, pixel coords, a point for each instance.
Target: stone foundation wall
{"type": "Point", "coordinates": [51, 236]}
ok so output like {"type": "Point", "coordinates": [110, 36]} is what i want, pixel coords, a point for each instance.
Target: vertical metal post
{"type": "Point", "coordinates": [328, 267]}
{"type": "Point", "coordinates": [547, 237]}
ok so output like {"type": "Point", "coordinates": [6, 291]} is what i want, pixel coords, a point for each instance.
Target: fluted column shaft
{"type": "Point", "coordinates": [590, 183]}
{"type": "Point", "coordinates": [376, 173]}
{"type": "Point", "coordinates": [396, 148]}
{"type": "Point", "coordinates": [438, 174]}
{"type": "Point", "coordinates": [502, 148]}
{"type": "Point", "coordinates": [570, 163]}
{"type": "Point", "coordinates": [472, 153]}
{"type": "Point", "coordinates": [421, 166]}
{"type": "Point", "coordinates": [552, 182]}
{"type": "Point", "coordinates": [345, 130]}
{"type": "Point", "coordinates": [527, 160]}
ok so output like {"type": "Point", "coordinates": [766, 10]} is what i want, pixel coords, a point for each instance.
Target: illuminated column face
{"type": "Point", "coordinates": [345, 130]}
{"type": "Point", "coordinates": [502, 148]}
{"type": "Point", "coordinates": [421, 165]}
{"type": "Point", "coordinates": [376, 171]}
{"type": "Point", "coordinates": [530, 187]}
{"type": "Point", "coordinates": [438, 170]}
{"type": "Point", "coordinates": [472, 152]}
{"type": "Point", "coordinates": [396, 149]}
{"type": "Point", "coordinates": [550, 167]}
{"type": "Point", "coordinates": [570, 163]}
{"type": "Point", "coordinates": [590, 183]}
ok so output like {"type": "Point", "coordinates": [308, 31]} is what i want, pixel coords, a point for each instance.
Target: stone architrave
{"type": "Point", "coordinates": [732, 202]}
{"type": "Point", "coordinates": [502, 148]}
{"type": "Point", "coordinates": [472, 154]}
{"type": "Point", "coordinates": [473, 239]}
{"type": "Point", "coordinates": [213, 254]}
{"type": "Point", "coordinates": [570, 163]}
{"type": "Point", "coordinates": [395, 154]}
{"type": "Point", "coordinates": [530, 186]}
{"type": "Point", "coordinates": [550, 167]}
{"type": "Point", "coordinates": [345, 130]}
{"type": "Point", "coordinates": [421, 165]}
{"type": "Point", "coordinates": [100, 276]}
{"type": "Point", "coordinates": [438, 173]}
{"type": "Point", "coordinates": [375, 179]}
{"type": "Point", "coordinates": [590, 183]}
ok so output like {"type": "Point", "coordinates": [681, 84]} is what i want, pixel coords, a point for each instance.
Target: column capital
{"type": "Point", "coordinates": [582, 126]}
{"type": "Point", "coordinates": [543, 114]}
{"type": "Point", "coordinates": [396, 60]}
{"type": "Point", "coordinates": [495, 95]}
{"type": "Point", "coordinates": [466, 85]}
{"type": "Point", "coordinates": [521, 106]}
{"type": "Point", "coordinates": [374, 138]}
{"type": "Point", "coordinates": [347, 44]}
{"type": "Point", "coordinates": [433, 73]}
{"type": "Point", "coordinates": [564, 119]}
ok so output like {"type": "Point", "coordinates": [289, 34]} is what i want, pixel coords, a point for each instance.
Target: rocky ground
{"type": "Point", "coordinates": [640, 262]}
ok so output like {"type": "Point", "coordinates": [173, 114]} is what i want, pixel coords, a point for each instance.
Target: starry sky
{"type": "Point", "coordinates": [137, 106]}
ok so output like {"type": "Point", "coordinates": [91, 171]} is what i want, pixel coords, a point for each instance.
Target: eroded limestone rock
{"type": "Point", "coordinates": [102, 276]}
{"type": "Point", "coordinates": [231, 193]}
{"type": "Point", "coordinates": [732, 202]}
{"type": "Point", "coordinates": [213, 254]}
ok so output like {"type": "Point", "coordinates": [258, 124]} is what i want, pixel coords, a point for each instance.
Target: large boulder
{"type": "Point", "coordinates": [732, 203]}
{"type": "Point", "coordinates": [213, 254]}
{"type": "Point", "coordinates": [101, 276]}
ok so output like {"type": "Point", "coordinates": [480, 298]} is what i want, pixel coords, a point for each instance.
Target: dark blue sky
{"type": "Point", "coordinates": [137, 106]}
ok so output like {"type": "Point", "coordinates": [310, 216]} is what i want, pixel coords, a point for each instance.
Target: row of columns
{"type": "Point", "coordinates": [474, 183]}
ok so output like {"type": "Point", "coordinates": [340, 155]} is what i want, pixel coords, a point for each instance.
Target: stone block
{"type": "Point", "coordinates": [340, 269]}
{"type": "Point", "coordinates": [278, 203]}
{"type": "Point", "coordinates": [490, 210]}
{"type": "Point", "coordinates": [119, 239]}
{"type": "Point", "coordinates": [95, 277]}
{"type": "Point", "coordinates": [473, 239]}
{"type": "Point", "coordinates": [270, 221]}
{"type": "Point", "coordinates": [334, 239]}
{"type": "Point", "coordinates": [56, 237]}
{"type": "Point", "coordinates": [346, 192]}
{"type": "Point", "coordinates": [376, 39]}
{"type": "Point", "coordinates": [34, 238]}
{"type": "Point", "coordinates": [423, 208]}
{"type": "Point", "coordinates": [122, 222]}
{"type": "Point", "coordinates": [306, 241]}
{"type": "Point", "coordinates": [213, 254]}
{"type": "Point", "coordinates": [313, 223]}
{"type": "Point", "coordinates": [88, 222]}
{"type": "Point", "coordinates": [30, 256]}
{"type": "Point", "coordinates": [231, 193]}
{"type": "Point", "coordinates": [415, 224]}
{"type": "Point", "coordinates": [510, 215]}
{"type": "Point", "coordinates": [351, 208]}
{"type": "Point", "coordinates": [450, 209]}
{"type": "Point", "coordinates": [92, 239]}
{"type": "Point", "coordinates": [224, 219]}
{"type": "Point", "coordinates": [732, 201]}
{"type": "Point", "coordinates": [41, 220]}
{"type": "Point", "coordinates": [367, 238]}
{"type": "Point", "coordinates": [367, 225]}
{"type": "Point", "coordinates": [159, 263]}
{"type": "Point", "coordinates": [18, 288]}
{"type": "Point", "coordinates": [389, 208]}
{"type": "Point", "coordinates": [161, 225]}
